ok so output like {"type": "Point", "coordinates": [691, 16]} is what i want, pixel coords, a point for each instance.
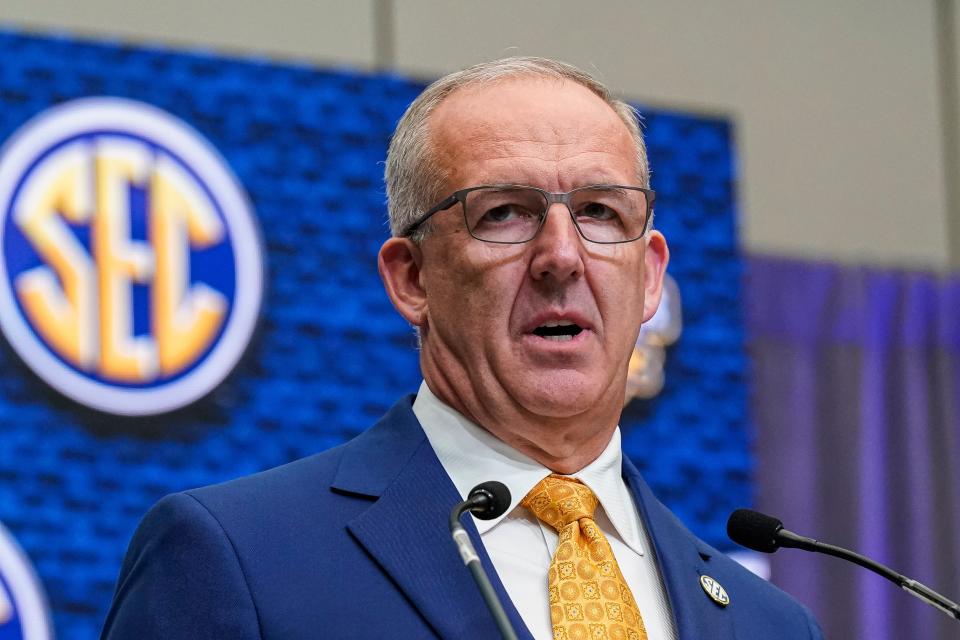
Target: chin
{"type": "Point", "coordinates": [562, 396]}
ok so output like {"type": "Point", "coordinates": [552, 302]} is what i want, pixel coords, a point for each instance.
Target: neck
{"type": "Point", "coordinates": [563, 444]}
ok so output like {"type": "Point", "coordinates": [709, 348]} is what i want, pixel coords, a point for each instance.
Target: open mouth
{"type": "Point", "coordinates": [558, 331]}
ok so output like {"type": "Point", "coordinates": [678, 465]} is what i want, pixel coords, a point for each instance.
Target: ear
{"type": "Point", "coordinates": [655, 258]}
{"type": "Point", "coordinates": [399, 264]}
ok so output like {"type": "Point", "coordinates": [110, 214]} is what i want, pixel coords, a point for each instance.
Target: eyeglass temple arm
{"type": "Point", "coordinates": [441, 206]}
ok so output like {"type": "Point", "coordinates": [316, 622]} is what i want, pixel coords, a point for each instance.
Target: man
{"type": "Point", "coordinates": [522, 252]}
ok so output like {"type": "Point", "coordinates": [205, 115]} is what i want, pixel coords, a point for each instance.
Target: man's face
{"type": "Point", "coordinates": [487, 305]}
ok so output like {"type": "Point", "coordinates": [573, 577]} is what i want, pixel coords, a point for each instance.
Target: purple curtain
{"type": "Point", "coordinates": [856, 399]}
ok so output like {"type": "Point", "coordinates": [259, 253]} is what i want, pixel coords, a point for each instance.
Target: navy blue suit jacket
{"type": "Point", "coordinates": [354, 543]}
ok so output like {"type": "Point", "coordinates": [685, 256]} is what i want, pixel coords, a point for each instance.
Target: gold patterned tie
{"type": "Point", "coordinates": [589, 599]}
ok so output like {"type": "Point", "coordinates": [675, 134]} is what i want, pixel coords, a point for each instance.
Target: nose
{"type": "Point", "coordinates": [557, 249]}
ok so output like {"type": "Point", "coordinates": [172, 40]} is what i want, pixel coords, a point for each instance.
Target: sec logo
{"type": "Point", "coordinates": [131, 273]}
{"type": "Point", "coordinates": [23, 607]}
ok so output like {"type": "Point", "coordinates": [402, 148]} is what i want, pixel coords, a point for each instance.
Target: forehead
{"type": "Point", "coordinates": [536, 129]}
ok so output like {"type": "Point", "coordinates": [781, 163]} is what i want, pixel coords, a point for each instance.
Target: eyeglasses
{"type": "Point", "coordinates": [511, 214]}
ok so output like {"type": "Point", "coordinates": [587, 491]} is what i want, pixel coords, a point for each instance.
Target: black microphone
{"type": "Point", "coordinates": [761, 532]}
{"type": "Point", "coordinates": [487, 500]}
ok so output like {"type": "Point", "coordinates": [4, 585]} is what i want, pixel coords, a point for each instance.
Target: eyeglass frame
{"type": "Point", "coordinates": [551, 197]}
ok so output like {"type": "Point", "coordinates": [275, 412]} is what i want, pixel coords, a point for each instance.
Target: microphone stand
{"type": "Point", "coordinates": [760, 532]}
{"type": "Point", "coordinates": [470, 558]}
{"type": "Point", "coordinates": [789, 539]}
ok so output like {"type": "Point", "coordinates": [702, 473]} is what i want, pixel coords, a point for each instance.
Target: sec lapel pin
{"type": "Point", "coordinates": [713, 589]}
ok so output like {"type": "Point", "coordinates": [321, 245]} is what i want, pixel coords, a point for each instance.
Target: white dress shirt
{"type": "Point", "coordinates": [520, 546]}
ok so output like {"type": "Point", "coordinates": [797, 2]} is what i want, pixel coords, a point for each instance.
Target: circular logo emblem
{"type": "Point", "coordinates": [713, 589]}
{"type": "Point", "coordinates": [23, 607]}
{"type": "Point", "coordinates": [131, 269]}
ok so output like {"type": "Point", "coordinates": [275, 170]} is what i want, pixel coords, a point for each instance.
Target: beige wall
{"type": "Point", "coordinates": [950, 78]}
{"type": "Point", "coordinates": [324, 31]}
{"type": "Point", "coordinates": [837, 103]}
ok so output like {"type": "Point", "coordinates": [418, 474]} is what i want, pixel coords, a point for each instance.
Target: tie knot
{"type": "Point", "coordinates": [558, 501]}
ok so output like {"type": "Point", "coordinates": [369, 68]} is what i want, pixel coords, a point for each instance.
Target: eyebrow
{"type": "Point", "coordinates": [611, 188]}
{"type": "Point", "coordinates": [602, 186]}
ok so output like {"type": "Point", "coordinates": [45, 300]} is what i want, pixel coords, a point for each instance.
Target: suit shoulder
{"type": "Point", "coordinates": [757, 608]}
{"type": "Point", "coordinates": [291, 483]}
{"type": "Point", "coordinates": [180, 563]}
{"type": "Point", "coordinates": [760, 599]}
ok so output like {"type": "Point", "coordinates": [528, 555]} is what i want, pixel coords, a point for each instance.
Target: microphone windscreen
{"type": "Point", "coordinates": [754, 530]}
{"type": "Point", "coordinates": [498, 503]}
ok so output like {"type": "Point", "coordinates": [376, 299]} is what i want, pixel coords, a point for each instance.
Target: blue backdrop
{"type": "Point", "coordinates": [331, 354]}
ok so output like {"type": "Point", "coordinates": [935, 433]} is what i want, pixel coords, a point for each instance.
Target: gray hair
{"type": "Point", "coordinates": [413, 174]}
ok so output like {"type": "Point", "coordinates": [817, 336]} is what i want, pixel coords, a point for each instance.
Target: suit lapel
{"type": "Point", "coordinates": [406, 529]}
{"type": "Point", "coordinates": [682, 560]}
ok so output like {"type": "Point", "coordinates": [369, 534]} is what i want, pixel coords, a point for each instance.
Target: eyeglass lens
{"type": "Point", "coordinates": [513, 214]}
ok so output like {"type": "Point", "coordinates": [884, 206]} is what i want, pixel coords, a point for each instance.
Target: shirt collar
{"type": "Point", "coordinates": [471, 455]}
